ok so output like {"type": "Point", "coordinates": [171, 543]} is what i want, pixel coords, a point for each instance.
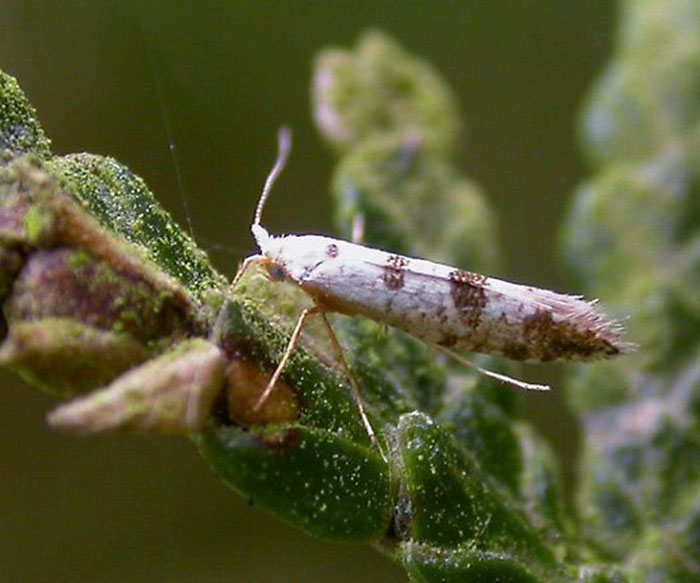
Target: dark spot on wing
{"type": "Point", "coordinates": [448, 340]}
{"type": "Point", "coordinates": [550, 339]}
{"type": "Point", "coordinates": [332, 250]}
{"type": "Point", "coordinates": [468, 295]}
{"type": "Point", "coordinates": [394, 271]}
{"type": "Point", "coordinates": [516, 351]}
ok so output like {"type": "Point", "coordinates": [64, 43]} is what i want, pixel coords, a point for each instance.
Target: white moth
{"type": "Point", "coordinates": [444, 306]}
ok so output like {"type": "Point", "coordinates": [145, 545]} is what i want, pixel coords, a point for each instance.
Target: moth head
{"type": "Point", "coordinates": [262, 238]}
{"type": "Point", "coordinates": [292, 257]}
{"type": "Point", "coordinates": [275, 271]}
{"type": "Point", "coordinates": [271, 253]}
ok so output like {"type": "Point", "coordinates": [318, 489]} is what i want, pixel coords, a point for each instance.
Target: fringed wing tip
{"type": "Point", "coordinates": [610, 332]}
{"type": "Point", "coordinates": [596, 335]}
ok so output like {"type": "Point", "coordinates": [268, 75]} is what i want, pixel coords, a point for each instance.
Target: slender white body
{"type": "Point", "coordinates": [439, 304]}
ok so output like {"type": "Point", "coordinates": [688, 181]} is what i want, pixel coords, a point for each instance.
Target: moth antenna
{"type": "Point", "coordinates": [284, 145]}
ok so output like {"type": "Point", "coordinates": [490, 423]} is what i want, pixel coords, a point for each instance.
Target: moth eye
{"type": "Point", "coordinates": [276, 272]}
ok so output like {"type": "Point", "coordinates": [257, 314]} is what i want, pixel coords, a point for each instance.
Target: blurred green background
{"type": "Point", "coordinates": [214, 80]}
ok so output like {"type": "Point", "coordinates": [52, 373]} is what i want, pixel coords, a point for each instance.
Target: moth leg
{"type": "Point", "coordinates": [489, 373]}
{"type": "Point", "coordinates": [247, 262]}
{"type": "Point", "coordinates": [291, 345]}
{"type": "Point", "coordinates": [357, 392]}
{"type": "Point", "coordinates": [479, 536]}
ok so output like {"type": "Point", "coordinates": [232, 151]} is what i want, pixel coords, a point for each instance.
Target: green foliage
{"type": "Point", "coordinates": [633, 236]}
{"type": "Point", "coordinates": [123, 203]}
{"type": "Point", "coordinates": [457, 488]}
{"type": "Point", "coordinates": [397, 146]}
{"type": "Point", "coordinates": [20, 130]}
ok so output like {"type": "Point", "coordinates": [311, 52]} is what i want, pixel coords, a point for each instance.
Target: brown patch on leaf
{"type": "Point", "coordinates": [246, 381]}
{"type": "Point", "coordinates": [394, 271]}
{"type": "Point", "coordinates": [72, 284]}
{"type": "Point", "coordinates": [171, 394]}
{"type": "Point", "coordinates": [282, 441]}
{"type": "Point", "coordinates": [468, 295]}
{"type": "Point", "coordinates": [67, 357]}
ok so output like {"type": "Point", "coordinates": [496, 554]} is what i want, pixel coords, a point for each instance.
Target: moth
{"type": "Point", "coordinates": [444, 306]}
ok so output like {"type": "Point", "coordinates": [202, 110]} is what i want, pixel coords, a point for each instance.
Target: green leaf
{"type": "Point", "coordinates": [456, 487]}
{"type": "Point", "coordinates": [633, 236]}
{"type": "Point", "coordinates": [20, 130]}
{"type": "Point", "coordinates": [323, 483]}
